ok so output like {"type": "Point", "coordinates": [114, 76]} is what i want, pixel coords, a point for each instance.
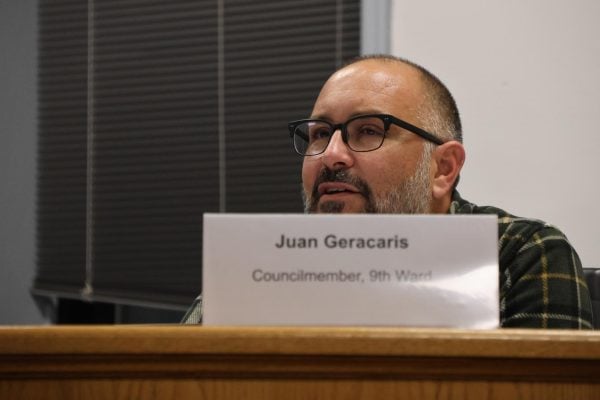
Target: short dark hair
{"type": "Point", "coordinates": [442, 116]}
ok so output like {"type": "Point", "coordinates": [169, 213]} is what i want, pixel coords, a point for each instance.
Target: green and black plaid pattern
{"type": "Point", "coordinates": [541, 280]}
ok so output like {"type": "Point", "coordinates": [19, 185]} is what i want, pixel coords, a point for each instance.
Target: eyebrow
{"type": "Point", "coordinates": [355, 114]}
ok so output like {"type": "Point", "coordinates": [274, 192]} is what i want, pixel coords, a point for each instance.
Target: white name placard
{"type": "Point", "coordinates": [375, 270]}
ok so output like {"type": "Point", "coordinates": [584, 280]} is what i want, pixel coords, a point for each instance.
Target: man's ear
{"type": "Point", "coordinates": [449, 159]}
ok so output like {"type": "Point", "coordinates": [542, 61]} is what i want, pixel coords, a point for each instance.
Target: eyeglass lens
{"type": "Point", "coordinates": [363, 134]}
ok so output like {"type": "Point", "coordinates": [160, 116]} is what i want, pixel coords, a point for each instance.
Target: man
{"type": "Point", "coordinates": [385, 137]}
{"type": "Point", "coordinates": [405, 156]}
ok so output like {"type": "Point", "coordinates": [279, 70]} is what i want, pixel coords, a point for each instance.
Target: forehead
{"type": "Point", "coordinates": [370, 86]}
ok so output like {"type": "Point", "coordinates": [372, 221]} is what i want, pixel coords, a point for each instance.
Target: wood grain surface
{"type": "Point", "coordinates": [181, 362]}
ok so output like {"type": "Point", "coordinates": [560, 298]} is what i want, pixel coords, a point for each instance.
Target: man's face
{"type": "Point", "coordinates": [392, 179]}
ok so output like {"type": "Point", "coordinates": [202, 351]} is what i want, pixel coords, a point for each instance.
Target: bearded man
{"type": "Point", "coordinates": [385, 136]}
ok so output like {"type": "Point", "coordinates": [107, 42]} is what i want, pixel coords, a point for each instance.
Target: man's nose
{"type": "Point", "coordinates": [337, 155]}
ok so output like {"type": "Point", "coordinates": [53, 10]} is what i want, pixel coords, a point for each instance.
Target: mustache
{"type": "Point", "coordinates": [328, 175]}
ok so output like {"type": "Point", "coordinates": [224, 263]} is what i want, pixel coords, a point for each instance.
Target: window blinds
{"type": "Point", "coordinates": [154, 112]}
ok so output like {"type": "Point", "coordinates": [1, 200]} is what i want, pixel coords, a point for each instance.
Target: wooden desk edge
{"type": "Point", "coordinates": [65, 352]}
{"type": "Point", "coordinates": [185, 339]}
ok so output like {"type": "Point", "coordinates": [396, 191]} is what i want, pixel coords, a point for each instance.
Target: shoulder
{"type": "Point", "coordinates": [541, 281]}
{"type": "Point", "coordinates": [518, 235]}
{"type": "Point", "coordinates": [510, 227]}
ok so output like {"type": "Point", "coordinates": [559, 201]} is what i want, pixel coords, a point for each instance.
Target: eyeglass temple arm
{"type": "Point", "coordinates": [415, 129]}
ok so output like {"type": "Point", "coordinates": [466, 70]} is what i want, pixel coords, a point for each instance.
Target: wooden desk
{"type": "Point", "coordinates": [185, 362]}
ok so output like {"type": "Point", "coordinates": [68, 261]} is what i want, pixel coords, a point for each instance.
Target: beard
{"type": "Point", "coordinates": [411, 196]}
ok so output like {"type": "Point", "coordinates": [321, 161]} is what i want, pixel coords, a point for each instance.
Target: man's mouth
{"type": "Point", "coordinates": [334, 188]}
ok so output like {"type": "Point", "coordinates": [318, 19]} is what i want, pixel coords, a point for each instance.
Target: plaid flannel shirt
{"type": "Point", "coordinates": [541, 280]}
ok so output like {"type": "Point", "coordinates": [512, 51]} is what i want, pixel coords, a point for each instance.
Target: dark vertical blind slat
{"type": "Point", "coordinates": [61, 222]}
{"type": "Point", "coordinates": [152, 63]}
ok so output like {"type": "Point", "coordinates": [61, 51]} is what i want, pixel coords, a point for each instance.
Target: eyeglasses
{"type": "Point", "coordinates": [361, 133]}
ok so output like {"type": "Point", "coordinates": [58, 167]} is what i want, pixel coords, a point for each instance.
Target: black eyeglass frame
{"type": "Point", "coordinates": [387, 119]}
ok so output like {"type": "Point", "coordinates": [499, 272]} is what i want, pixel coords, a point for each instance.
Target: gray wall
{"type": "Point", "coordinates": [18, 52]}
{"type": "Point", "coordinates": [525, 76]}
